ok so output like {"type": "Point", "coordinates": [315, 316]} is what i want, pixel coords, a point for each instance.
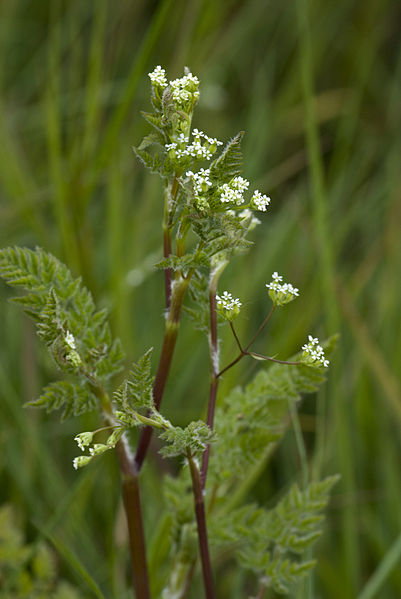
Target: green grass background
{"type": "Point", "coordinates": [317, 88]}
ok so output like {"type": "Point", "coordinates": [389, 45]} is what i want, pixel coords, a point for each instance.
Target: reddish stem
{"type": "Point", "coordinates": [133, 510]}
{"type": "Point", "coordinates": [166, 356]}
{"type": "Point", "coordinates": [213, 378]}
{"type": "Point", "coordinates": [202, 530]}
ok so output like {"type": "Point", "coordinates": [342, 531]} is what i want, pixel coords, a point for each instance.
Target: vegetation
{"type": "Point", "coordinates": [307, 83]}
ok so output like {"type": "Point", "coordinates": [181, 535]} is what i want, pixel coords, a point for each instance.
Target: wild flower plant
{"type": "Point", "coordinates": [205, 194]}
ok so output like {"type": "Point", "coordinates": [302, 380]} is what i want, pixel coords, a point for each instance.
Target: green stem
{"type": "Point", "coordinates": [300, 443]}
{"type": "Point", "coordinates": [170, 195]}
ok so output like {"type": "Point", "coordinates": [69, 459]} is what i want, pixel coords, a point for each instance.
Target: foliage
{"type": "Point", "coordinates": [27, 570]}
{"type": "Point", "coordinates": [60, 304]}
{"type": "Point", "coordinates": [268, 541]}
{"type": "Point", "coordinates": [135, 393]}
{"type": "Point", "coordinates": [251, 421]}
{"type": "Point", "coordinates": [208, 215]}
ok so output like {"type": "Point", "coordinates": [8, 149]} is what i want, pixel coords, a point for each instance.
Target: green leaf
{"type": "Point", "coordinates": [270, 542]}
{"type": "Point", "coordinates": [136, 391]}
{"type": "Point", "coordinates": [195, 437]}
{"type": "Point", "coordinates": [74, 398]}
{"type": "Point", "coordinates": [250, 421]}
{"type": "Point", "coordinates": [58, 303]}
{"type": "Point", "coordinates": [199, 311]}
{"type": "Point", "coordinates": [229, 163]}
{"type": "Point", "coordinates": [152, 162]}
{"type": "Point", "coordinates": [184, 263]}
{"type": "Point", "coordinates": [154, 120]}
{"type": "Point", "coordinates": [220, 232]}
{"type": "Point", "coordinates": [150, 140]}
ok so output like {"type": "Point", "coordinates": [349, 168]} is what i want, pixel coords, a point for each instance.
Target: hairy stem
{"type": "Point", "coordinates": [169, 201]}
{"type": "Point", "coordinates": [214, 362]}
{"type": "Point", "coordinates": [133, 510]}
{"type": "Point", "coordinates": [170, 337]}
{"type": "Point", "coordinates": [168, 271]}
{"type": "Point", "coordinates": [132, 506]}
{"type": "Point", "coordinates": [202, 530]}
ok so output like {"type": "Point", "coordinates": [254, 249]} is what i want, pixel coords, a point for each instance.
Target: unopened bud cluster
{"type": "Point", "coordinates": [85, 440]}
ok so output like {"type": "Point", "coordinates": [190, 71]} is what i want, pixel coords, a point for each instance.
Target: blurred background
{"type": "Point", "coordinates": [317, 88]}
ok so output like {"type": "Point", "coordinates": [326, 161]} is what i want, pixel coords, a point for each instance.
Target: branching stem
{"type": "Point", "coordinates": [244, 351]}
{"type": "Point", "coordinates": [133, 508]}
{"type": "Point", "coordinates": [170, 337]}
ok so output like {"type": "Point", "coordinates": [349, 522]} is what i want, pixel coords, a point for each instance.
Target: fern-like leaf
{"type": "Point", "coordinates": [75, 398]}
{"type": "Point", "coordinates": [271, 542]}
{"type": "Point", "coordinates": [252, 420]}
{"type": "Point", "coordinates": [58, 303]}
{"type": "Point", "coordinates": [195, 437]}
{"type": "Point", "coordinates": [229, 163]}
{"type": "Point", "coordinates": [135, 393]}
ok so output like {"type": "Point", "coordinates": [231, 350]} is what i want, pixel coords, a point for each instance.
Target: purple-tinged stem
{"type": "Point", "coordinates": [179, 287]}
{"type": "Point", "coordinates": [202, 530]}
{"type": "Point", "coordinates": [214, 382]}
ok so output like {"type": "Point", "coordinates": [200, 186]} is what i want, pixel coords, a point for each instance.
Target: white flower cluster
{"type": "Point", "coordinates": [281, 293]}
{"type": "Point", "coordinates": [234, 191]}
{"type": "Point", "coordinates": [313, 353]}
{"type": "Point", "coordinates": [200, 180]}
{"type": "Point", "coordinates": [185, 89]}
{"type": "Point", "coordinates": [195, 149]}
{"type": "Point", "coordinates": [158, 76]}
{"type": "Point", "coordinates": [260, 201]}
{"type": "Point", "coordinates": [212, 141]}
{"type": "Point", "coordinates": [228, 306]}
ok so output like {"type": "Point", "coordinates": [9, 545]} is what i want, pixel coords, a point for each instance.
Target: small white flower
{"type": "Point", "coordinates": [70, 340]}
{"type": "Point", "coordinates": [83, 440]}
{"type": "Point", "coordinates": [260, 201]}
{"type": "Point", "coordinates": [158, 76]}
{"type": "Point", "coordinates": [200, 180]}
{"type": "Point", "coordinates": [98, 449]}
{"type": "Point", "coordinates": [228, 306]}
{"type": "Point", "coordinates": [313, 353]}
{"type": "Point", "coordinates": [281, 293]}
{"type": "Point", "coordinates": [240, 184]}
{"type": "Point", "coordinates": [202, 150]}
{"type": "Point", "coordinates": [81, 461]}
